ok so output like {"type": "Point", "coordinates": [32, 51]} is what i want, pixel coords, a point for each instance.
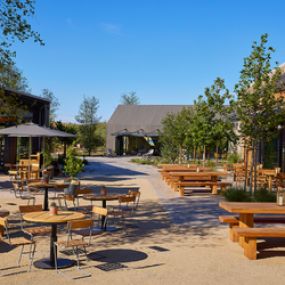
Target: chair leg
{"type": "Point", "coordinates": [32, 257]}
{"type": "Point", "coordinates": [21, 254]}
{"type": "Point", "coordinates": [75, 252]}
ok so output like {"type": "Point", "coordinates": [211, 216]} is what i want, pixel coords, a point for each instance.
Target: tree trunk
{"type": "Point", "coordinates": [246, 167]}
{"type": "Point", "coordinates": [217, 153]}
{"type": "Point", "coordinates": [194, 153]}
{"type": "Point", "coordinates": [252, 168]}
{"type": "Point", "coordinates": [204, 155]}
{"type": "Point", "coordinates": [180, 155]}
{"type": "Point", "coordinates": [255, 167]}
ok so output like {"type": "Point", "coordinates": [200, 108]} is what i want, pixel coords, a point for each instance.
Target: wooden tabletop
{"type": "Point", "coordinates": [93, 197]}
{"type": "Point", "coordinates": [198, 174]}
{"type": "Point", "coordinates": [46, 218]}
{"type": "Point", "coordinates": [252, 208]}
{"type": "Point", "coordinates": [50, 184]}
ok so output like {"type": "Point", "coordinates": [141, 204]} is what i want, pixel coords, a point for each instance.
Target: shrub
{"type": "Point", "coordinates": [263, 195]}
{"type": "Point", "coordinates": [237, 195]}
{"type": "Point", "coordinates": [211, 164]}
{"type": "Point", "coordinates": [234, 158]}
{"type": "Point", "coordinates": [73, 165]}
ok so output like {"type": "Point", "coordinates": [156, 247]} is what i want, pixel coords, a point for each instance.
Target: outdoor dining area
{"type": "Point", "coordinates": [60, 212]}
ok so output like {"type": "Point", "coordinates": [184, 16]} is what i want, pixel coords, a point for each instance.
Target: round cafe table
{"type": "Point", "coordinates": [46, 186]}
{"type": "Point", "coordinates": [45, 217]}
{"type": "Point", "coordinates": [104, 199]}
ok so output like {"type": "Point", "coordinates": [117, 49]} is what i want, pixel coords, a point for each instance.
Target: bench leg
{"type": "Point", "coordinates": [214, 190]}
{"type": "Point", "coordinates": [250, 248]}
{"type": "Point", "coordinates": [232, 234]}
{"type": "Point", "coordinates": [181, 191]}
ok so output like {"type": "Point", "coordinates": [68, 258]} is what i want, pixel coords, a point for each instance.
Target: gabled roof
{"type": "Point", "coordinates": [25, 95]}
{"type": "Point", "coordinates": [145, 117]}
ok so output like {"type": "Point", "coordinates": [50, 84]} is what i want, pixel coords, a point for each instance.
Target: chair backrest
{"type": "Point", "coordinates": [127, 199]}
{"type": "Point", "coordinates": [79, 224]}
{"type": "Point", "coordinates": [83, 191]}
{"type": "Point", "coordinates": [30, 209]}
{"type": "Point", "coordinates": [137, 195]}
{"type": "Point", "coordinates": [100, 211]}
{"type": "Point", "coordinates": [4, 224]}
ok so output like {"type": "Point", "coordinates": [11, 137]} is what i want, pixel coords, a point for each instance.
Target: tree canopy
{"type": "Point", "coordinates": [130, 98]}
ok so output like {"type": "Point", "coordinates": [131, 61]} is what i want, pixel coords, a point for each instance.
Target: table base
{"type": "Point", "coordinates": [46, 264]}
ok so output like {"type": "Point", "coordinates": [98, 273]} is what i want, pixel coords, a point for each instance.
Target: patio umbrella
{"type": "Point", "coordinates": [30, 130]}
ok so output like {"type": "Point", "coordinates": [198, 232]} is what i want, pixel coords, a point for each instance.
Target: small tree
{"type": "Point", "coordinates": [54, 103]}
{"type": "Point", "coordinates": [201, 128]}
{"type": "Point", "coordinates": [217, 96]}
{"type": "Point", "coordinates": [130, 98]}
{"type": "Point", "coordinates": [73, 165]}
{"type": "Point", "coordinates": [88, 119]}
{"type": "Point", "coordinates": [174, 138]}
{"type": "Point", "coordinates": [259, 110]}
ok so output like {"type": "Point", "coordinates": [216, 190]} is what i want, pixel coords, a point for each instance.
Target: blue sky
{"type": "Point", "coordinates": [167, 51]}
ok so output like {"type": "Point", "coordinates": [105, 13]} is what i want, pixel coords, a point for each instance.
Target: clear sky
{"type": "Point", "coordinates": [167, 51]}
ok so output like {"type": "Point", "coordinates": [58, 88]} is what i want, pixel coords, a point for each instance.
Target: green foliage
{"type": "Point", "coordinates": [14, 25]}
{"type": "Point", "coordinates": [211, 164]}
{"type": "Point", "coordinates": [73, 165]}
{"type": "Point", "coordinates": [263, 195]}
{"type": "Point", "coordinates": [234, 158]}
{"type": "Point", "coordinates": [175, 138]}
{"type": "Point", "coordinates": [259, 110]}
{"type": "Point", "coordinates": [237, 195]}
{"type": "Point", "coordinates": [87, 117]}
{"type": "Point", "coordinates": [130, 98]}
{"type": "Point", "coordinates": [54, 103]}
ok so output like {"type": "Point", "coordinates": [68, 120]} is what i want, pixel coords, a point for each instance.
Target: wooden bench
{"type": "Point", "coordinates": [233, 221]}
{"type": "Point", "coordinates": [252, 234]}
{"type": "Point", "coordinates": [214, 185]}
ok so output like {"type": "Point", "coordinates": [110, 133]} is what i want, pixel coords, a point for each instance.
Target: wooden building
{"type": "Point", "coordinates": [35, 109]}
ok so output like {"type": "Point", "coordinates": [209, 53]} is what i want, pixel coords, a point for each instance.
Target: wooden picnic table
{"type": "Point", "coordinates": [213, 176]}
{"type": "Point", "coordinates": [246, 211]}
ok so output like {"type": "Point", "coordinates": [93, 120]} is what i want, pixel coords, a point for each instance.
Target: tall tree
{"type": "Point", "coordinates": [130, 98]}
{"type": "Point", "coordinates": [15, 26]}
{"type": "Point", "coordinates": [259, 110]}
{"type": "Point", "coordinates": [87, 117]}
{"type": "Point", "coordinates": [54, 103]}
{"type": "Point", "coordinates": [11, 77]}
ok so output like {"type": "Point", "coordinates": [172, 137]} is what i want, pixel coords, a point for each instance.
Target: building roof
{"type": "Point", "coordinates": [141, 117]}
{"type": "Point", "coordinates": [26, 95]}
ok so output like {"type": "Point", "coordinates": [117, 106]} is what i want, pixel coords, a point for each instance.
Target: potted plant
{"type": "Point", "coordinates": [73, 166]}
{"type": "Point", "coordinates": [53, 209]}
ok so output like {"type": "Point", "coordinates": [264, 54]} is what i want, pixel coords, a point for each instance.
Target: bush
{"type": "Point", "coordinates": [211, 164]}
{"type": "Point", "coordinates": [263, 195]}
{"type": "Point", "coordinates": [237, 195]}
{"type": "Point", "coordinates": [234, 158]}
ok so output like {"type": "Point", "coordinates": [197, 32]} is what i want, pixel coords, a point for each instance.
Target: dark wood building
{"type": "Point", "coordinates": [35, 109]}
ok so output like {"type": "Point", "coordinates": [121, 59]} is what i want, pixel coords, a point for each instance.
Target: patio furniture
{"type": "Point", "coordinates": [210, 179]}
{"type": "Point", "coordinates": [104, 199]}
{"type": "Point", "coordinates": [32, 231]}
{"type": "Point", "coordinates": [20, 193]}
{"type": "Point", "coordinates": [246, 212]}
{"type": "Point", "coordinates": [83, 228]}
{"type": "Point", "coordinates": [18, 241]}
{"type": "Point", "coordinates": [46, 186]}
{"type": "Point", "coordinates": [44, 217]}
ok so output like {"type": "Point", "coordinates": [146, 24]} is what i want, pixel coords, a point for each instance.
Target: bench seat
{"type": "Point", "coordinates": [250, 236]}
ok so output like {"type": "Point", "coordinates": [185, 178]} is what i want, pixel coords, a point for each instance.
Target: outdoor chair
{"type": "Point", "coordinates": [18, 241]}
{"type": "Point", "coordinates": [125, 208]}
{"type": "Point", "coordinates": [100, 217]}
{"type": "Point", "coordinates": [32, 231]}
{"type": "Point", "coordinates": [81, 228]}
{"type": "Point", "coordinates": [137, 194]}
{"type": "Point", "coordinates": [20, 193]}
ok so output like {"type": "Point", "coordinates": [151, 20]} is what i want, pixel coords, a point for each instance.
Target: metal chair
{"type": "Point", "coordinates": [19, 241]}
{"type": "Point", "coordinates": [38, 231]}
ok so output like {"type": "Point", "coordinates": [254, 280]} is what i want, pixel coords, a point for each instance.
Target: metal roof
{"type": "Point", "coordinates": [148, 118]}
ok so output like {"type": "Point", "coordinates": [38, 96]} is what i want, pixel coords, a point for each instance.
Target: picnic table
{"type": "Point", "coordinates": [205, 178]}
